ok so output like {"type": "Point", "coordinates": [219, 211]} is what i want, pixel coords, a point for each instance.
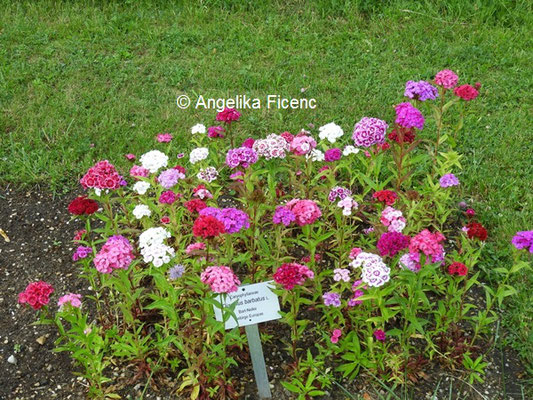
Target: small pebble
{"type": "Point", "coordinates": [12, 359]}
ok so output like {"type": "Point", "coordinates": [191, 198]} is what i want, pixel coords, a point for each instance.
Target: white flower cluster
{"type": "Point", "coordinates": [331, 132]}
{"type": "Point", "coordinates": [141, 187]}
{"type": "Point", "coordinates": [153, 248]}
{"type": "Point", "coordinates": [153, 160]}
{"type": "Point", "coordinates": [273, 146]}
{"type": "Point", "coordinates": [198, 154]}
{"type": "Point", "coordinates": [350, 150]}
{"type": "Point", "coordinates": [375, 272]}
{"type": "Point", "coordinates": [208, 174]}
{"type": "Point", "coordinates": [198, 128]}
{"type": "Point", "coordinates": [141, 210]}
{"type": "Point", "coordinates": [315, 155]}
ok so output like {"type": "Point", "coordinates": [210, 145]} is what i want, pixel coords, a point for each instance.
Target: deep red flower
{"type": "Point", "coordinates": [457, 268]}
{"type": "Point", "coordinates": [291, 274]}
{"type": "Point", "coordinates": [207, 226]}
{"type": "Point", "coordinates": [408, 135]}
{"type": "Point", "coordinates": [228, 115]}
{"type": "Point", "coordinates": [82, 205]}
{"type": "Point", "coordinates": [289, 137]}
{"type": "Point", "coordinates": [476, 230]}
{"type": "Point", "coordinates": [181, 169]}
{"type": "Point", "coordinates": [195, 205]}
{"type": "Point", "coordinates": [466, 92]}
{"type": "Point", "coordinates": [385, 196]}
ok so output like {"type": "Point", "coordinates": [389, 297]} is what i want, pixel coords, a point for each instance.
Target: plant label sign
{"type": "Point", "coordinates": [255, 303]}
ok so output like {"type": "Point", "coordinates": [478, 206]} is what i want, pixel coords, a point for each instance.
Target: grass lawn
{"type": "Point", "coordinates": [81, 82]}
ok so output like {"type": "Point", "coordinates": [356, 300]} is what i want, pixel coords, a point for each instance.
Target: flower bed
{"type": "Point", "coordinates": [371, 253]}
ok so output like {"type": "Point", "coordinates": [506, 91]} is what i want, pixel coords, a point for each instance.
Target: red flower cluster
{"type": "Point", "coordinates": [82, 205]}
{"type": "Point", "coordinates": [36, 294]}
{"type": "Point", "coordinates": [181, 169]}
{"type": "Point", "coordinates": [195, 205]}
{"type": "Point", "coordinates": [228, 115]}
{"type": "Point", "coordinates": [408, 135]}
{"type": "Point", "coordinates": [78, 235]}
{"type": "Point", "coordinates": [466, 92]}
{"type": "Point", "coordinates": [476, 230]}
{"type": "Point", "coordinates": [385, 196]}
{"type": "Point", "coordinates": [291, 274]}
{"type": "Point", "coordinates": [289, 137]}
{"type": "Point", "coordinates": [102, 176]}
{"type": "Point", "coordinates": [207, 226]}
{"type": "Point", "coordinates": [457, 268]}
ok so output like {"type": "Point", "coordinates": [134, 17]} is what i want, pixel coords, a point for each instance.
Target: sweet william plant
{"type": "Point", "coordinates": [371, 256]}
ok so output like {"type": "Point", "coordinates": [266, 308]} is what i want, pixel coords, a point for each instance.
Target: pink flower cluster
{"type": "Point", "coordinates": [194, 248]}
{"type": "Point", "coordinates": [446, 78]}
{"type": "Point", "coordinates": [36, 294]}
{"type": "Point", "coordinates": [164, 137]}
{"type": "Point", "coordinates": [273, 146]}
{"type": "Point", "coordinates": [291, 274]}
{"type": "Point", "coordinates": [429, 244]}
{"type": "Point", "coordinates": [220, 279]}
{"type": "Point", "coordinates": [102, 175]}
{"type": "Point", "coordinates": [139, 172]}
{"type": "Point", "coordinates": [73, 299]}
{"type": "Point", "coordinates": [302, 144]}
{"type": "Point", "coordinates": [116, 253]}
{"type": "Point", "coordinates": [305, 211]}
{"type": "Point", "coordinates": [393, 219]}
{"type": "Point", "coordinates": [369, 131]}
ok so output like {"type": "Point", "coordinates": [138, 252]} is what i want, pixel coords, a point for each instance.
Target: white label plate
{"type": "Point", "coordinates": [256, 303]}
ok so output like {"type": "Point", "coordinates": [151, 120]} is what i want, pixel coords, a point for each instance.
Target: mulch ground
{"type": "Point", "coordinates": [40, 231]}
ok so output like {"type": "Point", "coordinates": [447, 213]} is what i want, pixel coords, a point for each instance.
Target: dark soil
{"type": "Point", "coordinates": [40, 247]}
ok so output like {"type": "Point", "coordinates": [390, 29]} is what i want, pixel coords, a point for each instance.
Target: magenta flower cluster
{"type": "Point", "coordinates": [241, 156]}
{"type": "Point", "coordinates": [391, 243]}
{"type": "Point", "coordinates": [369, 131]}
{"type": "Point", "coordinates": [233, 219]}
{"type": "Point", "coordinates": [408, 116]}
{"type": "Point", "coordinates": [523, 240]}
{"type": "Point", "coordinates": [167, 197]}
{"type": "Point", "coordinates": [332, 155]}
{"type": "Point", "coordinates": [116, 253]}
{"type": "Point", "coordinates": [81, 252]}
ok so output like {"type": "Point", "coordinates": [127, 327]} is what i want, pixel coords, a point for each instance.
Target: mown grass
{"type": "Point", "coordinates": [83, 81]}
